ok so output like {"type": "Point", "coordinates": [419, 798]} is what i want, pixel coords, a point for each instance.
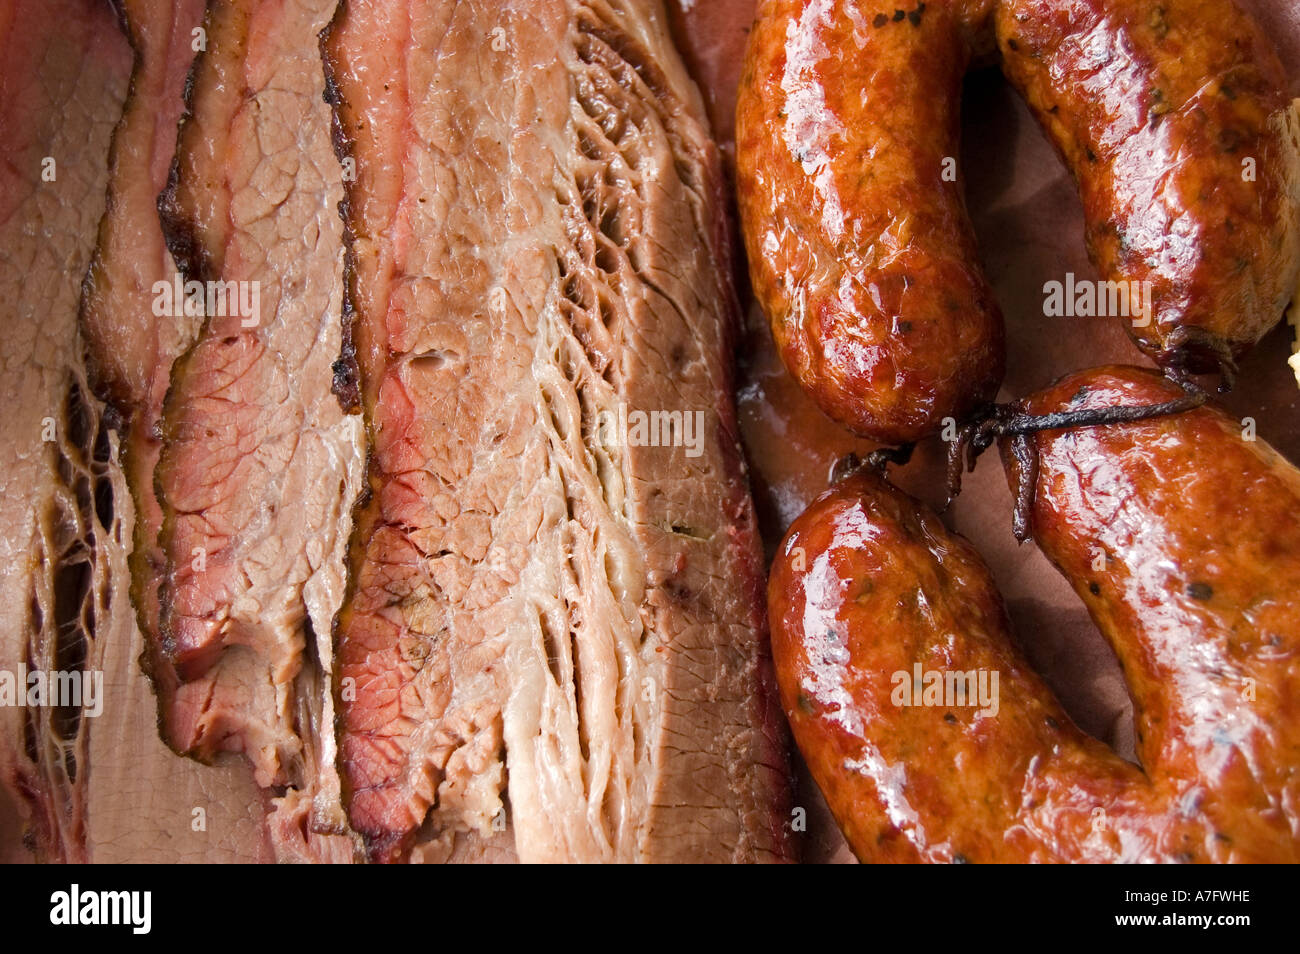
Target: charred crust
{"type": "Point", "coordinates": [115, 395]}
{"type": "Point", "coordinates": [179, 231]}
{"type": "Point", "coordinates": [103, 385]}
{"type": "Point", "coordinates": [345, 381]}
{"type": "Point", "coordinates": [346, 370]}
{"type": "Point", "coordinates": [331, 93]}
{"type": "Point", "coordinates": [382, 846]}
{"type": "Point", "coordinates": [1190, 350]}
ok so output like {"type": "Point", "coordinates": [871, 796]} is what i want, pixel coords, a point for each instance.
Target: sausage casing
{"type": "Point", "coordinates": [1175, 121]}
{"type": "Point", "coordinates": [860, 248]}
{"type": "Point", "coordinates": [1180, 536]}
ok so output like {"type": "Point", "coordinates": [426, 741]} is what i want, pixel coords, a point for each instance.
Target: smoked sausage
{"type": "Point", "coordinates": [1174, 119]}
{"type": "Point", "coordinates": [1171, 116]}
{"type": "Point", "coordinates": [931, 737]}
{"type": "Point", "coordinates": [860, 248]}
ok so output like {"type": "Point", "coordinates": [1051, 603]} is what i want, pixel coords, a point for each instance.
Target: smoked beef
{"type": "Point", "coordinates": [129, 348]}
{"type": "Point", "coordinates": [140, 789]}
{"type": "Point", "coordinates": [259, 464]}
{"type": "Point", "coordinates": [553, 613]}
{"type": "Point", "coordinates": [61, 90]}
{"type": "Point", "coordinates": [66, 515]}
{"type": "Point", "coordinates": [550, 643]}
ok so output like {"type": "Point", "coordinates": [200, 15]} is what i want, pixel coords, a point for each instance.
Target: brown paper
{"type": "Point", "coordinates": [1030, 225]}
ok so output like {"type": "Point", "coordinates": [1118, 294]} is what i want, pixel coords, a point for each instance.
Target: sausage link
{"type": "Point", "coordinates": [861, 251]}
{"type": "Point", "coordinates": [1194, 526]}
{"type": "Point", "coordinates": [1173, 118]}
{"type": "Point", "coordinates": [1201, 555]}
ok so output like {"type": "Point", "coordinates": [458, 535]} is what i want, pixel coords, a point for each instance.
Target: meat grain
{"type": "Point", "coordinates": [63, 76]}
{"type": "Point", "coordinates": [259, 464]}
{"type": "Point", "coordinates": [552, 623]}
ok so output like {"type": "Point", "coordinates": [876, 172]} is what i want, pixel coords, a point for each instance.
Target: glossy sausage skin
{"type": "Point", "coordinates": [860, 248]}
{"type": "Point", "coordinates": [1199, 597]}
{"type": "Point", "coordinates": [1171, 116]}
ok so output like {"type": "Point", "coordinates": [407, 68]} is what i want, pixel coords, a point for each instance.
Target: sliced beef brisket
{"type": "Point", "coordinates": [554, 608]}
{"type": "Point", "coordinates": [129, 348]}
{"type": "Point", "coordinates": [63, 75]}
{"type": "Point", "coordinates": [259, 465]}
{"type": "Point", "coordinates": [139, 789]}
{"type": "Point", "coordinates": [91, 781]}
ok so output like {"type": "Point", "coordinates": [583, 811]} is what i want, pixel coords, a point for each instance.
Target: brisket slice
{"type": "Point", "coordinates": [65, 515]}
{"type": "Point", "coordinates": [63, 75]}
{"type": "Point", "coordinates": [139, 790]}
{"type": "Point", "coordinates": [544, 619]}
{"type": "Point", "coordinates": [91, 787]}
{"type": "Point", "coordinates": [129, 349]}
{"type": "Point", "coordinates": [142, 801]}
{"type": "Point", "coordinates": [259, 464]}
